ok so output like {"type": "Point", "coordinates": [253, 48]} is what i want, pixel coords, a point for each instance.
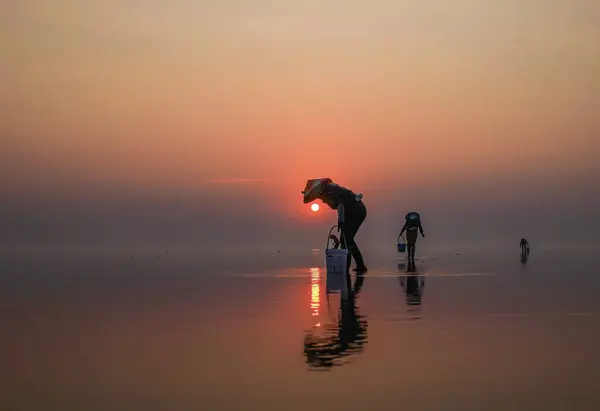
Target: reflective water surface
{"type": "Point", "coordinates": [468, 332]}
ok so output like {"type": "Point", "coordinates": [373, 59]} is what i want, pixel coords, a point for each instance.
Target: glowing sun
{"type": "Point", "coordinates": [314, 207]}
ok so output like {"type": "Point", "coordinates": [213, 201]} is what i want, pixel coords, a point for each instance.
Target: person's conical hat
{"type": "Point", "coordinates": [313, 188]}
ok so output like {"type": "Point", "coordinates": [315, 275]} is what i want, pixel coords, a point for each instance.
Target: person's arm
{"type": "Point", "coordinates": [403, 229]}
{"type": "Point", "coordinates": [341, 215]}
{"type": "Point", "coordinates": [421, 229]}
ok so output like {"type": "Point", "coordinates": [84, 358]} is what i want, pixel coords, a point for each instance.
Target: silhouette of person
{"type": "Point", "coordinates": [524, 246]}
{"type": "Point", "coordinates": [412, 226]}
{"type": "Point", "coordinates": [345, 338]}
{"type": "Point", "coordinates": [351, 213]}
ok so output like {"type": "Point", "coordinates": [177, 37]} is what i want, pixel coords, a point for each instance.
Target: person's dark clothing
{"type": "Point", "coordinates": [413, 223]}
{"type": "Point", "coordinates": [411, 238]}
{"type": "Point", "coordinates": [351, 214]}
{"type": "Point", "coordinates": [524, 246]}
{"type": "Point", "coordinates": [412, 226]}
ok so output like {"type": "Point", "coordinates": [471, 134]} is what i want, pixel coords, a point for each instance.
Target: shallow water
{"type": "Point", "coordinates": [242, 332]}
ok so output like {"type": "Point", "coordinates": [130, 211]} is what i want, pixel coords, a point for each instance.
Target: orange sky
{"type": "Point", "coordinates": [170, 95]}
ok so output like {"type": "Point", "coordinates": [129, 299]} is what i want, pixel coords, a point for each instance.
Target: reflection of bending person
{"type": "Point", "coordinates": [351, 213]}
{"type": "Point", "coordinates": [412, 226]}
{"type": "Point", "coordinates": [348, 337]}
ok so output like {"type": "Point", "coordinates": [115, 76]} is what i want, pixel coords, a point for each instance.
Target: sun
{"type": "Point", "coordinates": [314, 207]}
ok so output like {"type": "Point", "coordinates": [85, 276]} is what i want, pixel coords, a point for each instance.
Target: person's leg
{"type": "Point", "coordinates": [352, 246]}
{"type": "Point", "coordinates": [356, 254]}
{"type": "Point", "coordinates": [347, 240]}
{"type": "Point", "coordinates": [344, 244]}
{"type": "Point", "coordinates": [354, 220]}
{"type": "Point", "coordinates": [411, 239]}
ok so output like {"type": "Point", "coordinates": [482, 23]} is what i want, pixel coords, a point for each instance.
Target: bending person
{"type": "Point", "coordinates": [351, 213]}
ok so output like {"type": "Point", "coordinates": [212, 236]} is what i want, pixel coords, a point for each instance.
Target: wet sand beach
{"type": "Point", "coordinates": [469, 332]}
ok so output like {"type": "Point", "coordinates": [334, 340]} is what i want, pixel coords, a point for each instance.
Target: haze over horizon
{"type": "Point", "coordinates": [162, 123]}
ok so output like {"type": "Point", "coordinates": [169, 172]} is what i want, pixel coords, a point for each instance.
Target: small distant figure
{"type": "Point", "coordinates": [351, 213]}
{"type": "Point", "coordinates": [412, 226]}
{"type": "Point", "coordinates": [524, 247]}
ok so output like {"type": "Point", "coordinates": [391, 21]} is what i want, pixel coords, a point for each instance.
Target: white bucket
{"type": "Point", "coordinates": [336, 261]}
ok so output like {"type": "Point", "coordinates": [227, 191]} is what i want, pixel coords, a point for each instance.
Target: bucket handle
{"type": "Point", "coordinates": [403, 240]}
{"type": "Point", "coordinates": [329, 237]}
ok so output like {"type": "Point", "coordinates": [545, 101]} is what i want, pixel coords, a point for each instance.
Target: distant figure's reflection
{"type": "Point", "coordinates": [340, 340]}
{"type": "Point", "coordinates": [413, 288]}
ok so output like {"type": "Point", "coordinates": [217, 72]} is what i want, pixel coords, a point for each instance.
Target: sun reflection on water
{"type": "Point", "coordinates": [315, 298]}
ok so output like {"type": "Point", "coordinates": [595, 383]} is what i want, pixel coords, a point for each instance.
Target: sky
{"type": "Point", "coordinates": [199, 122]}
